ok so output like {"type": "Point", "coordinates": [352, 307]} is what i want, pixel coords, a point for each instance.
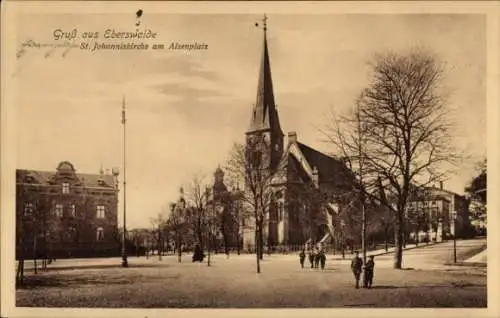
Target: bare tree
{"type": "Point", "coordinates": [405, 128]}
{"type": "Point", "coordinates": [177, 223]}
{"type": "Point", "coordinates": [197, 202]}
{"type": "Point", "coordinates": [251, 166]}
{"type": "Point", "coordinates": [158, 224]}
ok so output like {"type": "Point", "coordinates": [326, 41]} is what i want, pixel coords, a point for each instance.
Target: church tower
{"type": "Point", "coordinates": [264, 137]}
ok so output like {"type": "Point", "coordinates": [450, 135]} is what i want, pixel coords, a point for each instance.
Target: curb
{"type": "Point", "coordinates": [389, 252]}
{"type": "Point", "coordinates": [467, 264]}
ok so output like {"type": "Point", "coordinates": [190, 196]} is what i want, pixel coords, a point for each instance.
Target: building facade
{"type": "Point", "coordinates": [436, 214]}
{"type": "Point", "coordinates": [66, 214]}
{"type": "Point", "coordinates": [312, 197]}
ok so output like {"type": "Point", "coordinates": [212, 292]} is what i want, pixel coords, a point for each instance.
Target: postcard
{"type": "Point", "coordinates": [249, 158]}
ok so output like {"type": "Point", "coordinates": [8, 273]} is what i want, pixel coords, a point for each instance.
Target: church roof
{"type": "Point", "coordinates": [264, 114]}
{"type": "Point", "coordinates": [329, 168]}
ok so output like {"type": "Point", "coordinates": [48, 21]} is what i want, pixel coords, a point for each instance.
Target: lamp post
{"type": "Point", "coordinates": [124, 250]}
{"type": "Point", "coordinates": [454, 214]}
{"type": "Point", "coordinates": [342, 224]}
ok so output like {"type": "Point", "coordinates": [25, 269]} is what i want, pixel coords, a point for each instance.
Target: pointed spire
{"type": "Point", "coordinates": [264, 115]}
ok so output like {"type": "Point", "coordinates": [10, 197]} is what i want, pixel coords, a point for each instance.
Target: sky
{"type": "Point", "coordinates": [186, 109]}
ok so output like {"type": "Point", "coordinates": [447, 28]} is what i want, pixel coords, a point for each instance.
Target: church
{"type": "Point", "coordinates": [312, 192]}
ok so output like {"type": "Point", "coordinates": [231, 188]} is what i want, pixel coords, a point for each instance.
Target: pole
{"type": "Point", "coordinates": [454, 238]}
{"type": "Point", "coordinates": [124, 251]}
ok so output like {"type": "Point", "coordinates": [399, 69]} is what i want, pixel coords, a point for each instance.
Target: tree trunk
{"type": "Point", "coordinates": [179, 248]}
{"type": "Point", "coordinates": [261, 240]}
{"type": "Point", "coordinates": [417, 237]}
{"type": "Point", "coordinates": [20, 271]}
{"type": "Point", "coordinates": [386, 230]}
{"type": "Point", "coordinates": [34, 254]}
{"type": "Point", "coordinates": [257, 248]}
{"type": "Point", "coordinates": [398, 256]}
{"type": "Point", "coordinates": [225, 237]}
{"type": "Point", "coordinates": [160, 246]}
{"type": "Point", "coordinates": [238, 248]}
{"type": "Point", "coordinates": [363, 231]}
{"type": "Point", "coordinates": [200, 232]}
{"type": "Point", "coordinates": [209, 247]}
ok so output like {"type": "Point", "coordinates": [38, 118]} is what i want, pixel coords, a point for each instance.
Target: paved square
{"type": "Point", "coordinates": [150, 283]}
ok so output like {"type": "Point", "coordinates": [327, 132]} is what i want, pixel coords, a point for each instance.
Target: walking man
{"type": "Point", "coordinates": [356, 266]}
{"type": "Point", "coordinates": [369, 267]}
{"type": "Point", "coordinates": [302, 257]}
{"type": "Point", "coordinates": [312, 256]}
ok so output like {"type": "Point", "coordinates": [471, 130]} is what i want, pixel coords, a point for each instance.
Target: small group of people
{"type": "Point", "coordinates": [317, 257]}
{"type": "Point", "coordinates": [357, 268]}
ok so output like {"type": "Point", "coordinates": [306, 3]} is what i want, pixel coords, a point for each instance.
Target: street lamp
{"type": "Point", "coordinates": [124, 251]}
{"type": "Point", "coordinates": [342, 224]}
{"type": "Point", "coordinates": [116, 173]}
{"type": "Point", "coordinates": [454, 215]}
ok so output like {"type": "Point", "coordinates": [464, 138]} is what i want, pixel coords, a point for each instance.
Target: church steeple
{"type": "Point", "coordinates": [264, 114]}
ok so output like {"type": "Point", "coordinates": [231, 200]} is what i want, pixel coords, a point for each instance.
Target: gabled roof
{"type": "Point", "coordinates": [329, 168]}
{"type": "Point", "coordinates": [47, 178]}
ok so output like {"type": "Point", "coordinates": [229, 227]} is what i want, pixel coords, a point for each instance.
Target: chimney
{"type": "Point", "coordinates": [292, 137]}
{"type": "Point", "coordinates": [441, 185]}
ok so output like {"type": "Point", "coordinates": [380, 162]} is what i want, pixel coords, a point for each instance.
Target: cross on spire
{"type": "Point", "coordinates": [264, 22]}
{"type": "Point", "coordinates": [264, 114]}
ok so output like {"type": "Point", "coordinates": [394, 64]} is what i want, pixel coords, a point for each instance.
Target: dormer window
{"type": "Point", "coordinates": [65, 188]}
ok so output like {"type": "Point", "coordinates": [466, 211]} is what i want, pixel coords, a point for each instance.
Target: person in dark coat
{"type": "Point", "coordinates": [317, 257]}
{"type": "Point", "coordinates": [302, 257]}
{"type": "Point", "coordinates": [198, 254]}
{"type": "Point", "coordinates": [312, 255]}
{"type": "Point", "coordinates": [322, 259]}
{"type": "Point", "coordinates": [369, 268]}
{"type": "Point", "coordinates": [356, 267]}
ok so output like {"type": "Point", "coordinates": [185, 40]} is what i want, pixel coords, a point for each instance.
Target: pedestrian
{"type": "Point", "coordinates": [317, 257]}
{"type": "Point", "coordinates": [369, 268]}
{"type": "Point", "coordinates": [356, 267]}
{"type": "Point", "coordinates": [302, 257]}
{"type": "Point", "coordinates": [312, 255]}
{"type": "Point", "coordinates": [322, 259]}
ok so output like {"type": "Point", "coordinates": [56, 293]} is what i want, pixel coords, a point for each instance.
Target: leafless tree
{"type": "Point", "coordinates": [177, 223]}
{"type": "Point", "coordinates": [404, 125]}
{"type": "Point", "coordinates": [251, 166]}
{"type": "Point", "coordinates": [158, 225]}
{"type": "Point", "coordinates": [196, 198]}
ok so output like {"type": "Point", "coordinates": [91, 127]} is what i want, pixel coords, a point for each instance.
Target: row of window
{"type": "Point", "coordinates": [99, 233]}
{"type": "Point", "coordinates": [425, 203]}
{"type": "Point", "coordinates": [59, 210]}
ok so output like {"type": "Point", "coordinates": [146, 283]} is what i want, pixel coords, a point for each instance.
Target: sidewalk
{"type": "Point", "coordinates": [382, 251]}
{"type": "Point", "coordinates": [480, 259]}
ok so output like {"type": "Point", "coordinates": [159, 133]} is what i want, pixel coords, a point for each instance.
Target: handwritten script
{"type": "Point", "coordinates": [107, 39]}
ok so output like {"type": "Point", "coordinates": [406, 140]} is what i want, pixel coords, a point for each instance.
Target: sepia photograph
{"type": "Point", "coordinates": [158, 159]}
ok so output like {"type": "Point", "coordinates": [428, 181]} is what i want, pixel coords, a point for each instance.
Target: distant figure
{"type": "Point", "coordinates": [317, 256]}
{"type": "Point", "coordinates": [369, 268]}
{"type": "Point", "coordinates": [302, 258]}
{"type": "Point", "coordinates": [356, 267]}
{"type": "Point", "coordinates": [198, 254]}
{"type": "Point", "coordinates": [312, 256]}
{"type": "Point", "coordinates": [322, 259]}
